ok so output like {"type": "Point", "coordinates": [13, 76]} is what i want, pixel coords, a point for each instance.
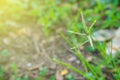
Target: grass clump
{"type": "Point", "coordinates": [103, 62]}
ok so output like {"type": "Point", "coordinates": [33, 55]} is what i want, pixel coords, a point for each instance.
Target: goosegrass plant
{"type": "Point", "coordinates": [87, 30]}
{"type": "Point", "coordinates": [92, 71]}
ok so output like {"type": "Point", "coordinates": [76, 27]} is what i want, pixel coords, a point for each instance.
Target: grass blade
{"type": "Point", "coordinates": [77, 33]}
{"type": "Point", "coordinates": [91, 26]}
{"type": "Point", "coordinates": [84, 23]}
{"type": "Point", "coordinates": [69, 66]}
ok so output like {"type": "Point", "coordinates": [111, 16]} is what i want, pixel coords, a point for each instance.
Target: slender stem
{"type": "Point", "coordinates": [77, 33]}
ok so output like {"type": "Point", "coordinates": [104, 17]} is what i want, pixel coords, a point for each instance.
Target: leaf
{"type": "Point", "coordinates": [40, 78]}
{"type": "Point", "coordinates": [2, 72]}
{"type": "Point", "coordinates": [77, 33]}
{"type": "Point", "coordinates": [91, 26]}
{"type": "Point", "coordinates": [43, 72]}
{"type": "Point", "coordinates": [26, 78]}
{"type": "Point", "coordinates": [69, 66]}
{"type": "Point", "coordinates": [84, 23]}
{"type": "Point", "coordinates": [14, 67]}
{"type": "Point", "coordinates": [5, 53]}
{"type": "Point", "coordinates": [64, 72]}
{"type": "Point", "coordinates": [70, 77]}
{"type": "Point", "coordinates": [91, 41]}
{"type": "Point", "coordinates": [89, 76]}
{"type": "Point", "coordinates": [53, 77]}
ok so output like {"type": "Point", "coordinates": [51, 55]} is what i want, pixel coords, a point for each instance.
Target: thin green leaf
{"type": "Point", "coordinates": [84, 23]}
{"type": "Point", "coordinates": [91, 26]}
{"type": "Point", "coordinates": [77, 33]}
{"type": "Point", "coordinates": [69, 66]}
{"type": "Point", "coordinates": [78, 46]}
{"type": "Point", "coordinates": [90, 40]}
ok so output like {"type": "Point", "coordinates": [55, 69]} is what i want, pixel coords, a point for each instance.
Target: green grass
{"type": "Point", "coordinates": [91, 71]}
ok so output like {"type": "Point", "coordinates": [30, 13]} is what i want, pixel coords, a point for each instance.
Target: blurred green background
{"type": "Point", "coordinates": [52, 14]}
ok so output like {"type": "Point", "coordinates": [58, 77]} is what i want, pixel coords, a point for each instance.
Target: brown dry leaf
{"type": "Point", "coordinates": [64, 72]}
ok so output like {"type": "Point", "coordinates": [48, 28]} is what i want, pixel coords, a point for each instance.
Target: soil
{"type": "Point", "coordinates": [31, 50]}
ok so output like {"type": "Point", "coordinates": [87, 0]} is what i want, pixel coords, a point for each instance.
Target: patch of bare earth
{"type": "Point", "coordinates": [31, 50]}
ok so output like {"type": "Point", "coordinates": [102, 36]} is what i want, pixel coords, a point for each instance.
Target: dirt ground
{"type": "Point", "coordinates": [30, 49]}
